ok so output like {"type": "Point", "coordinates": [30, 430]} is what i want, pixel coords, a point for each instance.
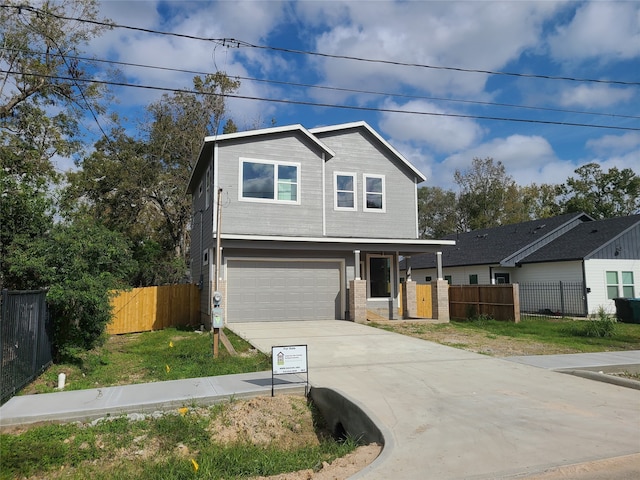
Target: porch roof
{"type": "Point", "coordinates": [402, 246]}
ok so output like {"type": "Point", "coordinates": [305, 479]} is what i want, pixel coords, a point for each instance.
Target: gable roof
{"type": "Point", "coordinates": [209, 142]}
{"type": "Point", "coordinates": [381, 141]}
{"type": "Point", "coordinates": [500, 244]}
{"type": "Point", "coordinates": [584, 240]}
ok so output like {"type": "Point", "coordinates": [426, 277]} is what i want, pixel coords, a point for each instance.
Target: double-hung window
{"type": "Point", "coordinates": [345, 191]}
{"type": "Point", "coordinates": [269, 181]}
{"type": "Point", "coordinates": [374, 194]}
{"type": "Point", "coordinates": [627, 285]}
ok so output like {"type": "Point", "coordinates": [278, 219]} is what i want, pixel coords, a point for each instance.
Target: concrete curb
{"type": "Point", "coordinates": [602, 377]}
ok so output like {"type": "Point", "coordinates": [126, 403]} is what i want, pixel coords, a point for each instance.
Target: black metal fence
{"type": "Point", "coordinates": [553, 299]}
{"type": "Point", "coordinates": [25, 346]}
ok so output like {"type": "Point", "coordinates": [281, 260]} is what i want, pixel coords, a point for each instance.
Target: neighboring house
{"type": "Point", "coordinates": [603, 255]}
{"type": "Point", "coordinates": [303, 214]}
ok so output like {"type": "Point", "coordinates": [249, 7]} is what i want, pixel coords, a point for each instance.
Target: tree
{"type": "Point", "coordinates": [79, 263]}
{"type": "Point", "coordinates": [483, 196]}
{"type": "Point", "coordinates": [601, 194]}
{"type": "Point", "coordinates": [437, 212]}
{"type": "Point", "coordinates": [41, 100]}
{"type": "Point", "coordinates": [178, 125]}
{"type": "Point", "coordinates": [136, 185]}
{"type": "Point", "coordinates": [41, 93]}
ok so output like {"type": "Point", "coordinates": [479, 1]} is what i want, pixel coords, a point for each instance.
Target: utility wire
{"type": "Point", "coordinates": [328, 105]}
{"type": "Point", "coordinates": [331, 88]}
{"type": "Point", "coordinates": [232, 42]}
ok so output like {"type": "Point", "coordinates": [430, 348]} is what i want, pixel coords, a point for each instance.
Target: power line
{"type": "Point", "coordinates": [332, 88]}
{"type": "Point", "coordinates": [328, 105]}
{"type": "Point", "coordinates": [232, 42]}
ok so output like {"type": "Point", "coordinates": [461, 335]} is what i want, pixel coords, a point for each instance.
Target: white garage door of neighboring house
{"type": "Point", "coordinates": [275, 290]}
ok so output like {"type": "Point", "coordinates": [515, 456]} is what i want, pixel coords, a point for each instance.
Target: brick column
{"type": "Point", "coordinates": [440, 300]}
{"type": "Point", "coordinates": [409, 300]}
{"type": "Point", "coordinates": [358, 301]}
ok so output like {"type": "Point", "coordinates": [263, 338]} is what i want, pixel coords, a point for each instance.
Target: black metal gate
{"type": "Point", "coordinates": [25, 346]}
{"type": "Point", "coordinates": [557, 299]}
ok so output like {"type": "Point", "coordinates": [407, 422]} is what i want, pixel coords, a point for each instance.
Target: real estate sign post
{"type": "Point", "coordinates": [287, 360]}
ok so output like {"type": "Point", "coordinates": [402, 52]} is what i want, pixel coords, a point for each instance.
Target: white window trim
{"type": "Point", "coordinates": [335, 191]}
{"type": "Point", "coordinates": [364, 194]}
{"type": "Point", "coordinates": [241, 196]}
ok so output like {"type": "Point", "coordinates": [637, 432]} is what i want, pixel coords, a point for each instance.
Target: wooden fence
{"type": "Point", "coordinates": [500, 302]}
{"type": "Point", "coordinates": [423, 299]}
{"type": "Point", "coordinates": [155, 308]}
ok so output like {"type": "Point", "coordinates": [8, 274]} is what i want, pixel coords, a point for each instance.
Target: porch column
{"type": "Point", "coordinates": [440, 300]}
{"type": "Point", "coordinates": [439, 264]}
{"type": "Point", "coordinates": [409, 299]}
{"type": "Point", "coordinates": [358, 301]}
{"type": "Point", "coordinates": [407, 263]}
{"type": "Point", "coordinates": [357, 275]}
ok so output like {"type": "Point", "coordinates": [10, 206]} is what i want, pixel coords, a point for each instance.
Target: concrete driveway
{"type": "Point", "coordinates": [450, 414]}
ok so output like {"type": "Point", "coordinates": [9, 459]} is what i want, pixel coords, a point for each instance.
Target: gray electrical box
{"type": "Point", "coordinates": [217, 317]}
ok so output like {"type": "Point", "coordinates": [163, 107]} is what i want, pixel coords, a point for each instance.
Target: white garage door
{"type": "Point", "coordinates": [264, 291]}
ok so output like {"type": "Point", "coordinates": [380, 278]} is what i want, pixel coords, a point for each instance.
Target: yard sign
{"type": "Point", "coordinates": [289, 359]}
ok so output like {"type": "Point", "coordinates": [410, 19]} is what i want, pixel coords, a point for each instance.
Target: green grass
{"type": "Point", "coordinates": [575, 334]}
{"type": "Point", "coordinates": [169, 354]}
{"type": "Point", "coordinates": [76, 451]}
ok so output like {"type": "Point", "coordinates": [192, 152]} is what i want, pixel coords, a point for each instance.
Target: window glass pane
{"type": "Point", "coordinates": [380, 277]}
{"type": "Point", "coordinates": [345, 199]}
{"type": "Point", "coordinates": [287, 182]}
{"type": "Point", "coordinates": [473, 279]}
{"type": "Point", "coordinates": [288, 172]}
{"type": "Point", "coordinates": [612, 292]}
{"type": "Point", "coordinates": [627, 291]}
{"type": "Point", "coordinates": [374, 185]}
{"type": "Point", "coordinates": [257, 180]}
{"type": "Point", "coordinates": [612, 278]}
{"type": "Point", "coordinates": [374, 200]}
{"type": "Point", "coordinates": [627, 278]}
{"type": "Point", "coordinates": [344, 182]}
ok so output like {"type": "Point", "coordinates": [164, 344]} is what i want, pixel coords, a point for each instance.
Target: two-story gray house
{"type": "Point", "coordinates": [302, 214]}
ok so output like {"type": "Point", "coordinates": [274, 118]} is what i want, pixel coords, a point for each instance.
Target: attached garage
{"type": "Point", "coordinates": [283, 290]}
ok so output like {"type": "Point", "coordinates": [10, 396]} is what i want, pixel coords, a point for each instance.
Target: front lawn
{"type": "Point", "coordinates": [169, 354]}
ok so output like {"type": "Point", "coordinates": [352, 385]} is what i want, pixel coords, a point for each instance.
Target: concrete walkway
{"type": "Point", "coordinates": [447, 413]}
{"type": "Point", "coordinates": [444, 413]}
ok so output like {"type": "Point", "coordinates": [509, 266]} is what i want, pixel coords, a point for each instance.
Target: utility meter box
{"type": "Point", "coordinates": [217, 317]}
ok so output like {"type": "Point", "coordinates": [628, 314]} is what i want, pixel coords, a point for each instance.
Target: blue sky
{"type": "Point", "coordinates": [581, 40]}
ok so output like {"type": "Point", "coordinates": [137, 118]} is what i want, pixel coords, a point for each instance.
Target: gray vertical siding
{"type": "Point", "coordinates": [358, 153]}
{"type": "Point", "coordinates": [258, 218]}
{"type": "Point", "coordinates": [626, 246]}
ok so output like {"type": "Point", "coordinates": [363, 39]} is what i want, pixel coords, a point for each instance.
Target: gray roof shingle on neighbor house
{"type": "Point", "coordinates": [583, 240]}
{"type": "Point", "coordinates": [492, 245]}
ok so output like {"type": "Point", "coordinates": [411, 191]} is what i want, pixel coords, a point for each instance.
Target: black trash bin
{"type": "Point", "coordinates": [634, 303]}
{"type": "Point", "coordinates": [623, 310]}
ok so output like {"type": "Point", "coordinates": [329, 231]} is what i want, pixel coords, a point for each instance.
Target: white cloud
{"type": "Point", "coordinates": [615, 144]}
{"type": "Point", "coordinates": [527, 159]}
{"type": "Point", "coordinates": [605, 30]}
{"type": "Point", "coordinates": [483, 35]}
{"type": "Point", "coordinates": [438, 133]}
{"type": "Point", "coordinates": [595, 96]}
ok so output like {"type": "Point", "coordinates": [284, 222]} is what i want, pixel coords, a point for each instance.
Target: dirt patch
{"type": "Point", "coordinates": [476, 341]}
{"type": "Point", "coordinates": [286, 421]}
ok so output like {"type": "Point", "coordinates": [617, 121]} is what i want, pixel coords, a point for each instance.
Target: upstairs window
{"type": "Point", "coordinates": [374, 200]}
{"type": "Point", "coordinates": [345, 191]}
{"type": "Point", "coordinates": [262, 180]}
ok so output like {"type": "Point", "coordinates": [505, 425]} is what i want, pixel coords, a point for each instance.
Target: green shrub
{"type": "Point", "coordinates": [603, 326]}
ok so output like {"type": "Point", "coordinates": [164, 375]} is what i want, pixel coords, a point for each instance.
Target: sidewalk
{"type": "Point", "coordinates": [81, 405]}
